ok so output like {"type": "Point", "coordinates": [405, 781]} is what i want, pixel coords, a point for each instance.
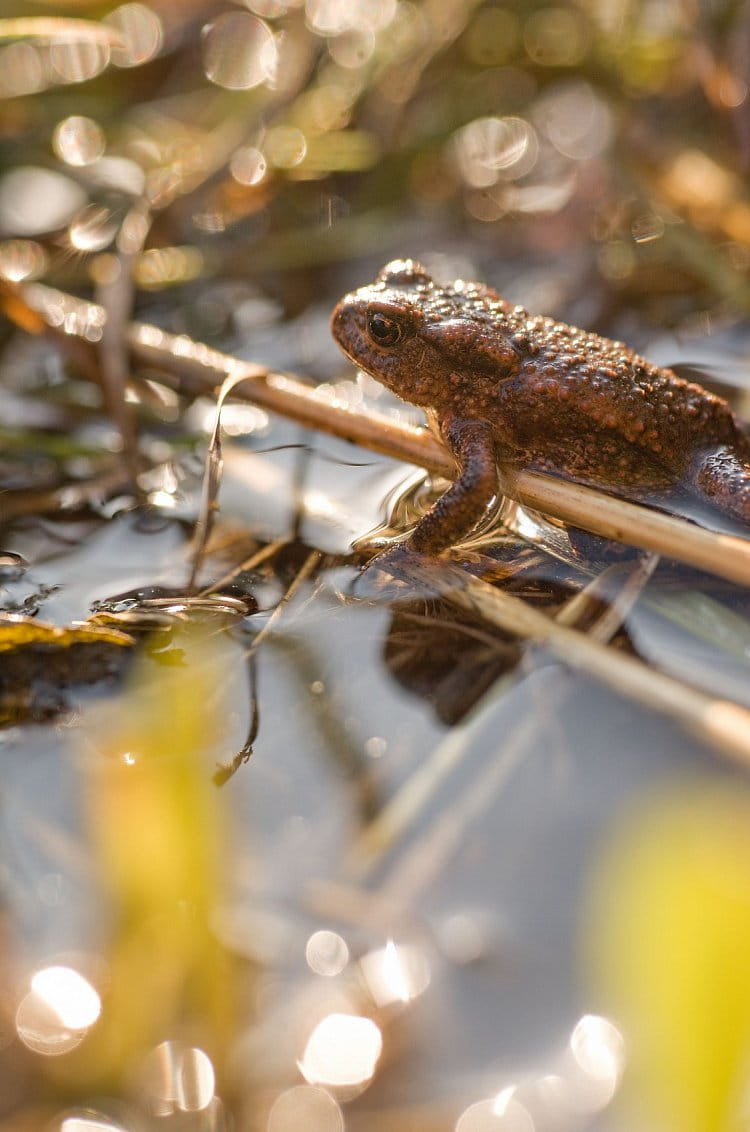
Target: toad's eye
{"type": "Point", "coordinates": [383, 331]}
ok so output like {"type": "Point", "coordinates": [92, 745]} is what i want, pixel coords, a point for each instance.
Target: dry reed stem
{"type": "Point", "coordinates": [626, 588]}
{"type": "Point", "coordinates": [59, 29]}
{"type": "Point", "coordinates": [305, 571]}
{"type": "Point", "coordinates": [193, 368]}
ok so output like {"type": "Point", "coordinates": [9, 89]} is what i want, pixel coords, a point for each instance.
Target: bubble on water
{"type": "Point", "coordinates": [239, 51]}
{"type": "Point", "coordinates": [78, 140]}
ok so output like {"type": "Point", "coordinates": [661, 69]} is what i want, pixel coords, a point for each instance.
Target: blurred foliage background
{"type": "Point", "coordinates": [268, 141]}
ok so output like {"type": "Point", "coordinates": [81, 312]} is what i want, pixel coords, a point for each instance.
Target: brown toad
{"type": "Point", "coordinates": [503, 384]}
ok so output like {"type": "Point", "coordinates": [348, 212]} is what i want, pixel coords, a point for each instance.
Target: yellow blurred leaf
{"type": "Point", "coordinates": [157, 835]}
{"type": "Point", "coordinates": [670, 942]}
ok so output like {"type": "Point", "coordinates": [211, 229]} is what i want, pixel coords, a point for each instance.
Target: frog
{"type": "Point", "coordinates": [506, 388]}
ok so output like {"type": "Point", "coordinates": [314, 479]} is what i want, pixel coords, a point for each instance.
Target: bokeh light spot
{"type": "Point", "coordinates": [352, 48]}
{"type": "Point", "coordinates": [78, 61]}
{"type": "Point", "coordinates": [493, 37]}
{"type": "Point", "coordinates": [395, 973]}
{"type": "Point", "coordinates": [598, 1047]}
{"type": "Point", "coordinates": [176, 1077]}
{"type": "Point", "coordinates": [88, 1121]}
{"type": "Point", "coordinates": [238, 51]}
{"type": "Point", "coordinates": [21, 70]}
{"type": "Point", "coordinates": [140, 32]}
{"type": "Point", "coordinates": [248, 165]}
{"type": "Point", "coordinates": [502, 1113]}
{"type": "Point", "coordinates": [35, 200]}
{"type": "Point", "coordinates": [78, 140]}
{"type": "Point", "coordinates": [53, 1017]}
{"type": "Point", "coordinates": [489, 148]}
{"type": "Point", "coordinates": [305, 1107]}
{"type": "Point", "coordinates": [93, 229]}
{"type": "Point", "coordinates": [342, 1050]}
{"type": "Point", "coordinates": [556, 37]}
{"type": "Point", "coordinates": [286, 146]}
{"type": "Point", "coordinates": [72, 997]}
{"type": "Point", "coordinates": [575, 119]}
{"type": "Point", "coordinates": [326, 953]}
{"type": "Point", "coordinates": [22, 259]}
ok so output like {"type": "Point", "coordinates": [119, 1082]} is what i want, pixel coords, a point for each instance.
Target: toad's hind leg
{"type": "Point", "coordinates": [722, 477]}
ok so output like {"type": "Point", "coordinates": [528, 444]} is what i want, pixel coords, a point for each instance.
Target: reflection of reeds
{"type": "Point", "coordinates": [725, 726]}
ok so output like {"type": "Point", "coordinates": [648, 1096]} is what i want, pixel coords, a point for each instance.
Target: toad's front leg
{"type": "Point", "coordinates": [457, 512]}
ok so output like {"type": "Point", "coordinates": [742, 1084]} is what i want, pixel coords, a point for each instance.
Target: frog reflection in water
{"type": "Point", "coordinates": [503, 384]}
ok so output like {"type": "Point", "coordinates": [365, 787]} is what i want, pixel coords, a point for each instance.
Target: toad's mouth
{"type": "Point", "coordinates": [347, 331]}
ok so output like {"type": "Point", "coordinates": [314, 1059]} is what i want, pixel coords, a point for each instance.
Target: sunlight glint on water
{"type": "Point", "coordinates": [342, 1050]}
{"type": "Point", "coordinates": [88, 1122]}
{"type": "Point", "coordinates": [178, 1078]}
{"type": "Point", "coordinates": [308, 1107]}
{"type": "Point", "coordinates": [395, 974]}
{"type": "Point", "coordinates": [54, 1016]}
{"type": "Point", "coordinates": [71, 996]}
{"type": "Point", "coordinates": [598, 1051]}
{"type": "Point", "coordinates": [502, 1113]}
